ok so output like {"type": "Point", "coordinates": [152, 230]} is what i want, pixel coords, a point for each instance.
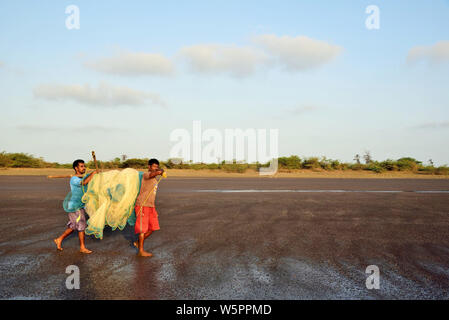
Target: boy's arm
{"type": "Point", "coordinates": [89, 177]}
{"type": "Point", "coordinates": [152, 174]}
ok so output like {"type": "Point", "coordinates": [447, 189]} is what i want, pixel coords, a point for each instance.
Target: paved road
{"type": "Point", "coordinates": [237, 245]}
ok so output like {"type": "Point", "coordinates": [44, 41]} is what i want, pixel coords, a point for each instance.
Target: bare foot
{"type": "Point", "coordinates": [144, 254]}
{"type": "Point", "coordinates": [85, 250]}
{"type": "Point", "coordinates": [136, 244]}
{"type": "Point", "coordinates": [58, 243]}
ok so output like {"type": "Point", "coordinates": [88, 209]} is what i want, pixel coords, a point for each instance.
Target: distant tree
{"type": "Point", "coordinates": [367, 157]}
{"type": "Point", "coordinates": [357, 158]}
{"type": "Point", "coordinates": [431, 162]}
{"type": "Point", "coordinates": [124, 157]}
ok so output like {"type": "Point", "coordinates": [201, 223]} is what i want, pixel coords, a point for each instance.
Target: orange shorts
{"type": "Point", "coordinates": [147, 220]}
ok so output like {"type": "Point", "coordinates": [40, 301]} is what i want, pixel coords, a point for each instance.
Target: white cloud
{"type": "Point", "coordinates": [133, 64]}
{"type": "Point", "coordinates": [217, 58]}
{"type": "Point", "coordinates": [103, 96]}
{"type": "Point", "coordinates": [293, 53]}
{"type": "Point", "coordinates": [438, 53]}
{"type": "Point", "coordinates": [298, 53]}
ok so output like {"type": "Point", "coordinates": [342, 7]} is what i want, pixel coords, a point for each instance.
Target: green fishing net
{"type": "Point", "coordinates": [110, 198]}
{"type": "Point", "coordinates": [72, 201]}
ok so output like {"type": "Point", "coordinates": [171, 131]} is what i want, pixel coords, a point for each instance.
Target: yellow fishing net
{"type": "Point", "coordinates": [110, 199]}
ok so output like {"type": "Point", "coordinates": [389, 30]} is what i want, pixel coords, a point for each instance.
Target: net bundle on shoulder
{"type": "Point", "coordinates": [72, 201]}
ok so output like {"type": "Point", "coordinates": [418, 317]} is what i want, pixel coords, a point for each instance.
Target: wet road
{"type": "Point", "coordinates": [276, 244]}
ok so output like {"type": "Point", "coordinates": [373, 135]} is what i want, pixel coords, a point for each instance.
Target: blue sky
{"type": "Point", "coordinates": [385, 90]}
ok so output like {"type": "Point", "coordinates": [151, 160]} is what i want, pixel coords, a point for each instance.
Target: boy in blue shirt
{"type": "Point", "coordinates": [77, 218]}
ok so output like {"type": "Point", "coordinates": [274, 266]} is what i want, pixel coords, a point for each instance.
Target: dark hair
{"type": "Point", "coordinates": [76, 163]}
{"type": "Point", "coordinates": [153, 161]}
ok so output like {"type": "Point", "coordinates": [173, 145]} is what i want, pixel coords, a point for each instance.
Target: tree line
{"type": "Point", "coordinates": [286, 164]}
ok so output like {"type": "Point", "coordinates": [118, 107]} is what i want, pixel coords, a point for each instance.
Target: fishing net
{"type": "Point", "coordinates": [110, 199]}
{"type": "Point", "coordinates": [72, 201]}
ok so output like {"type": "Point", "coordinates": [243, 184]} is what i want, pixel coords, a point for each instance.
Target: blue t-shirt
{"type": "Point", "coordinates": [76, 188]}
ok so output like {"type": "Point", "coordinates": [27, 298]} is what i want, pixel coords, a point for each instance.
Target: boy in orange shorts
{"type": "Point", "coordinates": [146, 213]}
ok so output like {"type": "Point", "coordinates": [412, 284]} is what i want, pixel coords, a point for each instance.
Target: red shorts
{"type": "Point", "coordinates": [146, 220]}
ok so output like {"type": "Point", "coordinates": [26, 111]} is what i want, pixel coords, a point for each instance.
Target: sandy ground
{"type": "Point", "coordinates": [237, 245]}
{"type": "Point", "coordinates": [351, 174]}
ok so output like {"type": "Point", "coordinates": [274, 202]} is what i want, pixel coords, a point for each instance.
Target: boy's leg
{"type": "Point", "coordinates": [146, 235]}
{"type": "Point", "coordinates": [58, 241]}
{"type": "Point", "coordinates": [142, 238]}
{"type": "Point", "coordinates": [83, 248]}
{"type": "Point", "coordinates": [144, 228]}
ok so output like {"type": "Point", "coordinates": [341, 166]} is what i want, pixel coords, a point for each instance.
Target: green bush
{"type": "Point", "coordinates": [311, 163]}
{"type": "Point", "coordinates": [345, 166]}
{"type": "Point", "coordinates": [135, 163]}
{"type": "Point", "coordinates": [374, 166]}
{"type": "Point", "coordinates": [5, 160]}
{"type": "Point", "coordinates": [292, 162]}
{"type": "Point", "coordinates": [336, 165]}
{"type": "Point", "coordinates": [389, 165]}
{"type": "Point", "coordinates": [199, 166]}
{"type": "Point", "coordinates": [213, 166]}
{"type": "Point", "coordinates": [427, 169]}
{"type": "Point", "coordinates": [356, 166]}
{"type": "Point", "coordinates": [443, 170]}
{"type": "Point", "coordinates": [235, 167]}
{"type": "Point", "coordinates": [325, 163]}
{"type": "Point", "coordinates": [24, 160]}
{"type": "Point", "coordinates": [407, 164]}
{"type": "Point", "coordinates": [170, 164]}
